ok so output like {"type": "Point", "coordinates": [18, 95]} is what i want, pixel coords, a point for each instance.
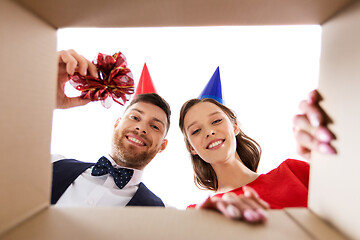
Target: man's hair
{"type": "Point", "coordinates": [248, 149]}
{"type": "Point", "coordinates": [155, 99]}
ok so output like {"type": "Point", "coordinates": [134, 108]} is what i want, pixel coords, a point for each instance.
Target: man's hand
{"type": "Point", "coordinates": [69, 62]}
{"type": "Point", "coordinates": [310, 128]}
{"type": "Point", "coordinates": [248, 207]}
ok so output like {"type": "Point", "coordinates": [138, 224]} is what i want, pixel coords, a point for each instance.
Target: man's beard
{"type": "Point", "coordinates": [129, 155]}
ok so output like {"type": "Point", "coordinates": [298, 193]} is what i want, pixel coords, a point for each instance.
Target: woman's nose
{"type": "Point", "coordinates": [210, 133]}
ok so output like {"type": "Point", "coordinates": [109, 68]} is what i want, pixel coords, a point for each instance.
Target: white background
{"type": "Point", "coordinates": [265, 72]}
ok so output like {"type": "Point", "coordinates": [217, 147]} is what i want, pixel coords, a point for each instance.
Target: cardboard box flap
{"type": "Point", "coordinates": [28, 60]}
{"type": "Point", "coordinates": [334, 181]}
{"type": "Point", "coordinates": [150, 223]}
{"type": "Point", "coordinates": [144, 13]}
{"type": "Point", "coordinates": [313, 225]}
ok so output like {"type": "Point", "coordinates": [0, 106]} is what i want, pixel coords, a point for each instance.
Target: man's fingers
{"type": "Point", "coordinates": [82, 65]}
{"type": "Point", "coordinates": [69, 60]}
{"type": "Point", "coordinates": [76, 62]}
{"type": "Point", "coordinates": [92, 70]}
{"type": "Point", "coordinates": [72, 102]}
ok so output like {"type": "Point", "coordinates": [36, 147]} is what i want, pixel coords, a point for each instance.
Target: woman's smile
{"type": "Point", "coordinates": [215, 144]}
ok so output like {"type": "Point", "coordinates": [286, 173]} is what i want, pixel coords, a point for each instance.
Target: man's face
{"type": "Point", "coordinates": [139, 135]}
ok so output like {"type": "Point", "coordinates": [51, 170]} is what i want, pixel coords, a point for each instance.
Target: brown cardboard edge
{"type": "Point", "coordinates": [32, 39]}
{"type": "Point", "coordinates": [316, 17]}
{"type": "Point", "coordinates": [316, 227]}
{"type": "Point", "coordinates": [30, 215]}
{"type": "Point", "coordinates": [339, 11]}
{"type": "Point", "coordinates": [155, 223]}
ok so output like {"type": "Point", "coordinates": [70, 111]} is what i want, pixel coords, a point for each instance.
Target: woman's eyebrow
{"type": "Point", "coordinates": [214, 113]}
{"type": "Point", "coordinates": [211, 114]}
{"type": "Point", "coordinates": [191, 125]}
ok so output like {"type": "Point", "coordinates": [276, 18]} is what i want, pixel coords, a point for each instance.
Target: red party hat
{"type": "Point", "coordinates": [145, 84]}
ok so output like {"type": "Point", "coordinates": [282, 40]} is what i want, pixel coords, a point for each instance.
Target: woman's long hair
{"type": "Point", "coordinates": [248, 149]}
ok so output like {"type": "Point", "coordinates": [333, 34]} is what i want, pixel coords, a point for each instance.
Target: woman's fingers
{"type": "Point", "coordinates": [249, 207]}
{"type": "Point", "coordinates": [310, 128]}
{"type": "Point", "coordinates": [251, 193]}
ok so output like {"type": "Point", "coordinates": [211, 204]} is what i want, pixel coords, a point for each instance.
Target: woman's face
{"type": "Point", "coordinates": [210, 132]}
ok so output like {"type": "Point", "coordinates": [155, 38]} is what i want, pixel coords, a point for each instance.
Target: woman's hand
{"type": "Point", "coordinates": [248, 206]}
{"type": "Point", "coordinates": [310, 128]}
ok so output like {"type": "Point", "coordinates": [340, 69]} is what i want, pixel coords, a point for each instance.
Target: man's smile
{"type": "Point", "coordinates": [135, 140]}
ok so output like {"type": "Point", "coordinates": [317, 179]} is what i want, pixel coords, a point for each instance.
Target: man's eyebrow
{"type": "Point", "coordinates": [158, 120]}
{"type": "Point", "coordinates": [211, 114]}
{"type": "Point", "coordinates": [154, 118]}
{"type": "Point", "coordinates": [137, 110]}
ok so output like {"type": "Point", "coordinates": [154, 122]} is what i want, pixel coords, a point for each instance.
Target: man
{"type": "Point", "coordinates": [138, 136]}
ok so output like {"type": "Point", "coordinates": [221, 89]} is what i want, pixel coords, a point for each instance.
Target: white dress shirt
{"type": "Point", "coordinates": [88, 190]}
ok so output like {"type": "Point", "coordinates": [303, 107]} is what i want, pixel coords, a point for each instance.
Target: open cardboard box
{"type": "Point", "coordinates": [28, 59]}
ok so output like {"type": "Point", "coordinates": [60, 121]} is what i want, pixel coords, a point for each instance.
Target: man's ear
{"type": "Point", "coordinates": [236, 128]}
{"type": "Point", "coordinates": [117, 122]}
{"type": "Point", "coordinates": [163, 145]}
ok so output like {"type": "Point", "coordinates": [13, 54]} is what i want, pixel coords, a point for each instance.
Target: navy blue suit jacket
{"type": "Point", "coordinates": [67, 170]}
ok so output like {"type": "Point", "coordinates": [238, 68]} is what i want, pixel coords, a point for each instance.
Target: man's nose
{"type": "Point", "coordinates": [141, 129]}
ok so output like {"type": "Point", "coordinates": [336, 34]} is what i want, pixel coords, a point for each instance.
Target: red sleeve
{"type": "Point", "coordinates": [300, 169]}
{"type": "Point", "coordinates": [191, 206]}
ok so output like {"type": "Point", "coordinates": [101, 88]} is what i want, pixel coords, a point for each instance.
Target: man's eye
{"type": "Point", "coordinates": [155, 127]}
{"type": "Point", "coordinates": [134, 117]}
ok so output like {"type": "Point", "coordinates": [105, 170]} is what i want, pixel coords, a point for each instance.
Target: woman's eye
{"type": "Point", "coordinates": [195, 132]}
{"type": "Point", "coordinates": [217, 121]}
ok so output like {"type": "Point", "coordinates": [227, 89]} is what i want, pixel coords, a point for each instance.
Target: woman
{"type": "Point", "coordinates": [225, 159]}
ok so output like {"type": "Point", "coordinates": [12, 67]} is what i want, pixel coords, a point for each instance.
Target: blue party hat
{"type": "Point", "coordinates": [213, 88]}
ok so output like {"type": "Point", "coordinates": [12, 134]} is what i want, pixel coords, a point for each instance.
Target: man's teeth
{"type": "Point", "coordinates": [136, 140]}
{"type": "Point", "coordinates": [214, 144]}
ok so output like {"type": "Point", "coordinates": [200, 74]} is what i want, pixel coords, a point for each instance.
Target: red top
{"type": "Point", "coordinates": [284, 186]}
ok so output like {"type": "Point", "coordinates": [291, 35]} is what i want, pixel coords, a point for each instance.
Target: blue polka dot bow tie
{"type": "Point", "coordinates": [121, 175]}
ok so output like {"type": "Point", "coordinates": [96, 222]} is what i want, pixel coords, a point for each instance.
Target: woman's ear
{"type": "Point", "coordinates": [192, 150]}
{"type": "Point", "coordinates": [236, 128]}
